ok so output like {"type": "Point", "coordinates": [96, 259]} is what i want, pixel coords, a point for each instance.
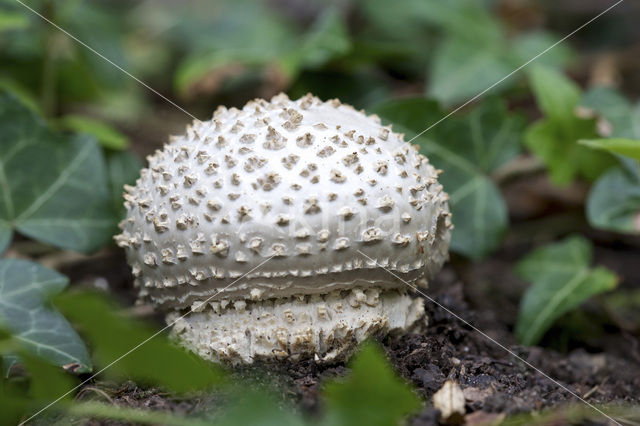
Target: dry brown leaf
{"type": "Point", "coordinates": [450, 401]}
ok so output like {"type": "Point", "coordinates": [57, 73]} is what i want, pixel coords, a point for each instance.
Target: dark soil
{"type": "Point", "coordinates": [492, 380]}
{"type": "Point", "coordinates": [592, 353]}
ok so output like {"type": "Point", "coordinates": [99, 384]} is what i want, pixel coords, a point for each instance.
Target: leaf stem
{"type": "Point", "coordinates": [134, 415]}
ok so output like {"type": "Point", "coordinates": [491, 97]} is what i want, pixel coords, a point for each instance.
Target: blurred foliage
{"type": "Point", "coordinates": [555, 138]}
{"type": "Point", "coordinates": [626, 147]}
{"type": "Point", "coordinates": [372, 394]}
{"type": "Point", "coordinates": [62, 182]}
{"type": "Point", "coordinates": [272, 45]}
{"type": "Point", "coordinates": [106, 135]}
{"type": "Point", "coordinates": [614, 200]}
{"type": "Point", "coordinates": [468, 147]}
{"type": "Point", "coordinates": [561, 280]}
{"type": "Point", "coordinates": [47, 338]}
{"type": "Point", "coordinates": [471, 49]}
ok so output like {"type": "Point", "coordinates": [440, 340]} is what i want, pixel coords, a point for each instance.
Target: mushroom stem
{"type": "Point", "coordinates": [326, 327]}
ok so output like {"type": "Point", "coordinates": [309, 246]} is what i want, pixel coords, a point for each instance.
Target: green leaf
{"type": "Point", "coordinates": [372, 394]}
{"type": "Point", "coordinates": [554, 138]}
{"type": "Point", "coordinates": [10, 20]}
{"type": "Point", "coordinates": [461, 70]}
{"type": "Point", "coordinates": [557, 96]}
{"type": "Point", "coordinates": [327, 39]}
{"type": "Point", "coordinates": [473, 55]}
{"type": "Point", "coordinates": [258, 409]}
{"type": "Point", "coordinates": [24, 94]}
{"type": "Point", "coordinates": [614, 201]}
{"type": "Point", "coordinates": [5, 236]}
{"type": "Point", "coordinates": [400, 21]}
{"type": "Point", "coordinates": [47, 382]}
{"type": "Point", "coordinates": [54, 189]}
{"type": "Point", "coordinates": [24, 289]}
{"type": "Point", "coordinates": [123, 168]}
{"type": "Point", "coordinates": [275, 47]}
{"type": "Point", "coordinates": [468, 148]}
{"type": "Point", "coordinates": [12, 405]}
{"type": "Point", "coordinates": [135, 350]}
{"type": "Point", "coordinates": [108, 136]}
{"type": "Point", "coordinates": [561, 280]}
{"type": "Point", "coordinates": [528, 45]}
{"type": "Point", "coordinates": [628, 147]}
{"type": "Point", "coordinates": [476, 52]}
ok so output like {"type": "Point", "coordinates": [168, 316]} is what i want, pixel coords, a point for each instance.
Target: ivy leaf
{"type": "Point", "coordinates": [24, 289]}
{"type": "Point", "coordinates": [150, 358]}
{"type": "Point", "coordinates": [54, 189]}
{"type": "Point", "coordinates": [561, 280]}
{"type": "Point", "coordinates": [476, 51]}
{"type": "Point", "coordinates": [554, 138]}
{"type": "Point", "coordinates": [463, 65]}
{"type": "Point", "coordinates": [461, 69]}
{"type": "Point", "coordinates": [468, 148]}
{"type": "Point", "coordinates": [371, 395]}
{"type": "Point", "coordinates": [473, 55]}
{"type": "Point", "coordinates": [614, 200]}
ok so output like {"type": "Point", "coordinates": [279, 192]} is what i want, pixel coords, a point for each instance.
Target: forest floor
{"type": "Point", "coordinates": [594, 353]}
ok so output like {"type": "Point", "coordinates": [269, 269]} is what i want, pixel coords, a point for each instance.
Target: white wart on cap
{"type": "Point", "coordinates": [306, 186]}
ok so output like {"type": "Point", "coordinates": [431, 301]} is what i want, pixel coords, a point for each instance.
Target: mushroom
{"type": "Point", "coordinates": [285, 229]}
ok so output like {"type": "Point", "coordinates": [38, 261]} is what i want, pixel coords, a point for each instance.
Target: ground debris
{"type": "Point", "coordinates": [449, 400]}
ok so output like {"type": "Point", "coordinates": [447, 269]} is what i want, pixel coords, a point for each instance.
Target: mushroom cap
{"type": "Point", "coordinates": [286, 195]}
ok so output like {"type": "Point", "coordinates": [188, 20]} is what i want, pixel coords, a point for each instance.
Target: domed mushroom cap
{"type": "Point", "coordinates": [306, 184]}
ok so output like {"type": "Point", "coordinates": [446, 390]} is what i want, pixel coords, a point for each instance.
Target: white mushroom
{"type": "Point", "coordinates": [258, 221]}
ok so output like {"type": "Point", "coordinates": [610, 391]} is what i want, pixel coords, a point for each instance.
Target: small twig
{"type": "Point", "coordinates": [590, 392]}
{"type": "Point", "coordinates": [59, 258]}
{"type": "Point", "coordinates": [95, 390]}
{"type": "Point", "coordinates": [140, 311]}
{"type": "Point", "coordinates": [524, 165]}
